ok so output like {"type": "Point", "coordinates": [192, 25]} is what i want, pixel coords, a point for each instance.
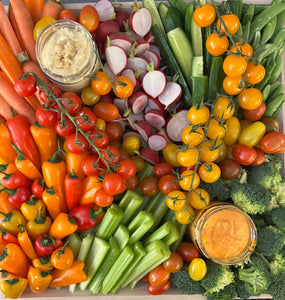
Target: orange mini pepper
{"type": "Point", "coordinates": [43, 263]}
{"type": "Point", "coordinates": [38, 280]}
{"type": "Point", "coordinates": [6, 150]}
{"type": "Point", "coordinates": [12, 220]}
{"type": "Point", "coordinates": [52, 201]}
{"type": "Point", "coordinates": [26, 243]}
{"type": "Point", "coordinates": [9, 168]}
{"type": "Point", "coordinates": [73, 163]}
{"type": "Point", "coordinates": [5, 206]}
{"type": "Point", "coordinates": [62, 226]}
{"type": "Point", "coordinates": [14, 287]}
{"type": "Point", "coordinates": [75, 274]}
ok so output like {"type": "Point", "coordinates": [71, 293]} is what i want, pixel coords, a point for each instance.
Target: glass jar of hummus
{"type": "Point", "coordinates": [67, 54]}
{"type": "Point", "coordinates": [224, 233]}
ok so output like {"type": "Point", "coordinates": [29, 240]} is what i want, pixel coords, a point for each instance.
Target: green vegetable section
{"type": "Point", "coordinates": [128, 243]}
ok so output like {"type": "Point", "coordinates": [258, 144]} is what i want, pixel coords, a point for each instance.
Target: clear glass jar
{"type": "Point", "coordinates": [67, 54]}
{"type": "Point", "coordinates": [224, 233]}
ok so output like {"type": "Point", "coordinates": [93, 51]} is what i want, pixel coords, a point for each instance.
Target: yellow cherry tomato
{"type": "Point", "coordinates": [176, 200]}
{"type": "Point", "coordinates": [209, 172]}
{"type": "Point", "coordinates": [192, 135]}
{"type": "Point", "coordinates": [198, 115]}
{"type": "Point", "coordinates": [41, 25]}
{"type": "Point", "coordinates": [224, 108]}
{"type": "Point", "coordinates": [170, 154]}
{"type": "Point", "coordinates": [252, 134]}
{"type": "Point", "coordinates": [199, 198]}
{"type": "Point", "coordinates": [216, 130]}
{"type": "Point", "coordinates": [185, 216]}
{"type": "Point", "coordinates": [89, 97]}
{"type": "Point", "coordinates": [250, 98]}
{"type": "Point", "coordinates": [188, 157]}
{"type": "Point", "coordinates": [189, 180]}
{"type": "Point", "coordinates": [233, 131]}
{"type": "Point", "coordinates": [197, 269]}
{"type": "Point", "coordinates": [210, 151]}
{"type": "Point", "coordinates": [131, 144]}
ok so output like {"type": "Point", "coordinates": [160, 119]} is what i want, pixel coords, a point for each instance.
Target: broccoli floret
{"type": "Point", "coordinates": [270, 240]}
{"type": "Point", "coordinates": [227, 293]}
{"type": "Point", "coordinates": [217, 277]}
{"type": "Point", "coordinates": [184, 284]}
{"type": "Point", "coordinates": [278, 217]}
{"type": "Point", "coordinates": [275, 160]}
{"type": "Point", "coordinates": [259, 220]}
{"type": "Point", "coordinates": [219, 190]}
{"type": "Point", "coordinates": [277, 287]}
{"type": "Point", "coordinates": [251, 198]}
{"type": "Point", "coordinates": [278, 193]}
{"type": "Point", "coordinates": [256, 277]}
{"type": "Point", "coordinates": [266, 175]}
{"type": "Point", "coordinates": [242, 292]}
{"type": "Point", "coordinates": [276, 264]}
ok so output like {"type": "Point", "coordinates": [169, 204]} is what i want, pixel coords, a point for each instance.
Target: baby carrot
{"type": "Point", "coordinates": [52, 8]}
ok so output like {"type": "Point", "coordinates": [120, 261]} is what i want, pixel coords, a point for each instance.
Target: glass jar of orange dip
{"type": "Point", "coordinates": [224, 233]}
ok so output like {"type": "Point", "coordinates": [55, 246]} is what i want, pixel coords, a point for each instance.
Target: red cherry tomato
{"type": "Point", "coordinates": [77, 143]}
{"type": "Point", "coordinates": [254, 114]}
{"type": "Point", "coordinates": [127, 168]}
{"type": "Point", "coordinates": [188, 251]}
{"type": "Point", "coordinates": [230, 168]}
{"type": "Point", "coordinates": [26, 86]}
{"type": "Point", "coordinates": [158, 290]}
{"type": "Point", "coordinates": [65, 127]}
{"type": "Point", "coordinates": [244, 154]}
{"type": "Point", "coordinates": [158, 276]}
{"type": "Point", "coordinates": [174, 263]}
{"type": "Point", "coordinates": [273, 142]}
{"type": "Point", "coordinates": [98, 138]}
{"type": "Point", "coordinates": [113, 184]}
{"type": "Point", "coordinates": [46, 117]}
{"type": "Point", "coordinates": [86, 119]}
{"type": "Point", "coordinates": [110, 155]}
{"type": "Point", "coordinates": [72, 103]}
{"type": "Point", "coordinates": [102, 198]}
{"type": "Point", "coordinates": [162, 169]}
{"type": "Point", "coordinates": [260, 157]}
{"type": "Point", "coordinates": [168, 183]}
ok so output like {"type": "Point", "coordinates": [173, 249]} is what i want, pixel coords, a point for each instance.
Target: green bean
{"type": "Point", "coordinates": [268, 30]}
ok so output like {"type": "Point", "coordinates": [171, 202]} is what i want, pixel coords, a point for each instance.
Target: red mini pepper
{"type": "Point", "coordinates": [19, 196]}
{"type": "Point", "coordinates": [19, 129]}
{"type": "Point", "coordinates": [38, 187]}
{"type": "Point", "coordinates": [73, 190]}
{"type": "Point", "coordinates": [14, 180]}
{"type": "Point", "coordinates": [45, 245]}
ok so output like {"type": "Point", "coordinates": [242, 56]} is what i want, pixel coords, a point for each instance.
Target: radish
{"type": "Point", "coordinates": [144, 129]}
{"type": "Point", "coordinates": [116, 58]}
{"type": "Point", "coordinates": [121, 17]}
{"type": "Point", "coordinates": [138, 64]}
{"type": "Point", "coordinates": [154, 82]}
{"type": "Point", "coordinates": [155, 118]}
{"type": "Point", "coordinates": [105, 10]}
{"type": "Point", "coordinates": [107, 98]}
{"type": "Point", "coordinates": [132, 118]}
{"type": "Point", "coordinates": [149, 155]}
{"type": "Point", "coordinates": [109, 72]}
{"type": "Point", "coordinates": [132, 75]}
{"type": "Point", "coordinates": [104, 29]}
{"type": "Point", "coordinates": [151, 56]}
{"type": "Point", "coordinates": [154, 48]}
{"type": "Point", "coordinates": [140, 21]}
{"type": "Point", "coordinates": [157, 141]}
{"type": "Point", "coordinates": [141, 46]}
{"type": "Point", "coordinates": [132, 133]}
{"type": "Point", "coordinates": [153, 103]}
{"type": "Point", "coordinates": [176, 124]}
{"type": "Point", "coordinates": [122, 40]}
{"type": "Point", "coordinates": [171, 94]}
{"type": "Point", "coordinates": [137, 102]}
{"type": "Point", "coordinates": [121, 104]}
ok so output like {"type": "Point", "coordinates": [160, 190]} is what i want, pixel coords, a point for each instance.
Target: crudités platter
{"type": "Point", "coordinates": [140, 291]}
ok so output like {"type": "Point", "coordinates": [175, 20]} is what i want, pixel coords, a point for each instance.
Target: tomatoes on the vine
{"type": "Point", "coordinates": [185, 215]}
{"type": "Point", "coordinates": [217, 44]}
{"type": "Point", "coordinates": [26, 86]}
{"type": "Point", "coordinates": [176, 200]}
{"type": "Point", "coordinates": [101, 84]}
{"type": "Point", "coordinates": [216, 129]}
{"type": "Point", "coordinates": [205, 15]}
{"type": "Point", "coordinates": [244, 154]}
{"type": "Point", "coordinates": [72, 104]}
{"type": "Point", "coordinates": [123, 87]}
{"type": "Point", "coordinates": [76, 143]}
{"type": "Point", "coordinates": [113, 184]}
{"type": "Point", "coordinates": [209, 151]}
{"type": "Point", "coordinates": [189, 180]}
{"type": "Point", "coordinates": [192, 135]}
{"type": "Point", "coordinates": [254, 73]}
{"type": "Point", "coordinates": [98, 138]}
{"type": "Point", "coordinates": [110, 156]}
{"type": "Point", "coordinates": [234, 65]}
{"type": "Point", "coordinates": [65, 127]}
{"type": "Point", "coordinates": [91, 165]}
{"type": "Point", "coordinates": [244, 48]}
{"type": "Point", "coordinates": [231, 22]}
{"type": "Point", "coordinates": [102, 198]}
{"type": "Point", "coordinates": [198, 115]}
{"type": "Point", "coordinates": [233, 85]}
{"type": "Point", "coordinates": [250, 98]}
{"type": "Point", "coordinates": [86, 119]}
{"type": "Point", "coordinates": [127, 168]}
{"type": "Point", "coordinates": [46, 117]}
{"type": "Point", "coordinates": [209, 172]}
{"type": "Point", "coordinates": [188, 157]}
{"type": "Point", "coordinates": [199, 198]}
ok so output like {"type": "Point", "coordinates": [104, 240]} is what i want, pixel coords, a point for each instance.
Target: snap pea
{"type": "Point", "coordinates": [265, 16]}
{"type": "Point", "coordinates": [264, 51]}
{"type": "Point", "coordinates": [265, 92]}
{"type": "Point", "coordinates": [276, 89]}
{"type": "Point", "coordinates": [279, 38]}
{"type": "Point", "coordinates": [280, 23]}
{"type": "Point", "coordinates": [273, 105]}
{"type": "Point", "coordinates": [257, 39]}
{"type": "Point", "coordinates": [268, 70]}
{"type": "Point", "coordinates": [236, 7]}
{"type": "Point", "coordinates": [268, 30]}
{"type": "Point", "coordinates": [246, 31]}
{"type": "Point", "coordinates": [178, 4]}
{"type": "Point", "coordinates": [248, 14]}
{"type": "Point", "coordinates": [277, 69]}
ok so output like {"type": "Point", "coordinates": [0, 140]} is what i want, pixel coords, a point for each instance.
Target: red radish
{"type": "Point", "coordinates": [121, 104]}
{"type": "Point", "coordinates": [107, 98]}
{"type": "Point", "coordinates": [132, 75]}
{"type": "Point", "coordinates": [132, 118]}
{"type": "Point", "coordinates": [141, 46]}
{"type": "Point", "coordinates": [121, 17]}
{"type": "Point", "coordinates": [149, 155]}
{"type": "Point", "coordinates": [171, 94]}
{"type": "Point", "coordinates": [105, 10]}
{"type": "Point", "coordinates": [109, 72]}
{"type": "Point", "coordinates": [104, 29]}
{"type": "Point", "coordinates": [157, 141]}
{"type": "Point", "coordinates": [154, 83]}
{"type": "Point", "coordinates": [155, 118]}
{"type": "Point", "coordinates": [176, 124]}
{"type": "Point", "coordinates": [122, 40]}
{"type": "Point", "coordinates": [137, 102]}
{"type": "Point", "coordinates": [144, 129]}
{"type": "Point", "coordinates": [155, 49]}
{"type": "Point", "coordinates": [140, 21]}
{"type": "Point", "coordinates": [138, 64]}
{"type": "Point", "coordinates": [153, 103]}
{"type": "Point", "coordinates": [132, 133]}
{"type": "Point", "coordinates": [151, 56]}
{"type": "Point", "coordinates": [116, 58]}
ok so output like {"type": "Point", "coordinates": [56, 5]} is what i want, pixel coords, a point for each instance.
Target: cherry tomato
{"type": "Point", "coordinates": [106, 111]}
{"type": "Point", "coordinates": [100, 84]}
{"type": "Point", "coordinates": [254, 114]}
{"type": "Point", "coordinates": [234, 65]}
{"type": "Point", "coordinates": [244, 154]}
{"type": "Point", "coordinates": [149, 186]}
{"type": "Point", "coordinates": [185, 215]}
{"type": "Point", "coordinates": [209, 151]}
{"type": "Point", "coordinates": [230, 168]}
{"type": "Point", "coordinates": [72, 103]}
{"type": "Point", "coordinates": [176, 200]}
{"type": "Point", "coordinates": [98, 138]}
{"type": "Point", "coordinates": [260, 157]}
{"type": "Point", "coordinates": [188, 251]}
{"type": "Point", "coordinates": [41, 25]}
{"type": "Point", "coordinates": [65, 127]}
{"type": "Point", "coordinates": [199, 198]}
{"type": "Point", "coordinates": [174, 263]}
{"type": "Point", "coordinates": [26, 86]}
{"type": "Point", "coordinates": [46, 117]}
{"type": "Point", "coordinates": [252, 134]}
{"type": "Point", "coordinates": [113, 184]}
{"type": "Point", "coordinates": [170, 154]}
{"type": "Point", "coordinates": [233, 131]}
{"type": "Point", "coordinates": [192, 135]}
{"type": "Point", "coordinates": [198, 116]}
{"type": "Point", "coordinates": [89, 18]}
{"type": "Point", "coordinates": [197, 269]}
{"type": "Point", "coordinates": [205, 15]}
{"type": "Point", "coordinates": [231, 22]}
{"type": "Point", "coordinates": [222, 150]}
{"type": "Point", "coordinates": [139, 162]}
{"type": "Point", "coordinates": [244, 48]}
{"type": "Point", "coordinates": [254, 73]}
{"type": "Point", "coordinates": [76, 143]}
{"type": "Point", "coordinates": [114, 131]}
{"type": "Point", "coordinates": [209, 172]}
{"type": "Point", "coordinates": [233, 85]}
{"type": "Point", "coordinates": [86, 119]}
{"type": "Point", "coordinates": [188, 157]}
{"type": "Point", "coordinates": [273, 142]}
{"type": "Point", "coordinates": [89, 97]}
{"type": "Point", "coordinates": [224, 108]}
{"type": "Point", "coordinates": [216, 130]}
{"type": "Point", "coordinates": [67, 14]}
{"type": "Point", "coordinates": [102, 198]}
{"type": "Point", "coordinates": [91, 165]}
{"type": "Point", "coordinates": [110, 156]}
{"type": "Point", "coordinates": [123, 87]}
{"type": "Point", "coordinates": [250, 98]}
{"type": "Point", "coordinates": [131, 144]}
{"type": "Point", "coordinates": [56, 91]}
{"type": "Point", "coordinates": [270, 123]}
{"type": "Point", "coordinates": [167, 184]}
{"type": "Point", "coordinates": [162, 169]}
{"type": "Point", "coordinates": [127, 168]}
{"type": "Point", "coordinates": [62, 258]}
{"type": "Point", "coordinates": [132, 183]}
{"type": "Point", "coordinates": [158, 290]}
{"type": "Point", "coordinates": [189, 180]}
{"type": "Point", "coordinates": [217, 45]}
{"type": "Point", "coordinates": [158, 276]}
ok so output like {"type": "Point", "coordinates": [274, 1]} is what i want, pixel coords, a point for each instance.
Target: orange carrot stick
{"type": "Point", "coordinates": [14, 25]}
{"type": "Point", "coordinates": [31, 66]}
{"type": "Point", "coordinates": [18, 104]}
{"type": "Point", "coordinates": [2, 120]}
{"type": "Point", "coordinates": [8, 31]}
{"type": "Point", "coordinates": [35, 8]}
{"type": "Point", "coordinates": [52, 8]}
{"type": "Point", "coordinates": [25, 26]}
{"type": "Point", "coordinates": [5, 109]}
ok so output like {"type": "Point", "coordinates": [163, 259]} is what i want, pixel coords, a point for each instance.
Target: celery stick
{"type": "Point", "coordinates": [140, 226]}
{"type": "Point", "coordinates": [106, 265]}
{"type": "Point", "coordinates": [74, 242]}
{"type": "Point", "coordinates": [156, 253]}
{"type": "Point", "coordinates": [130, 203]}
{"type": "Point", "coordinates": [122, 236]}
{"type": "Point", "coordinates": [96, 255]}
{"type": "Point", "coordinates": [139, 253]}
{"type": "Point", "coordinates": [118, 268]}
{"type": "Point", "coordinates": [168, 233]}
{"type": "Point", "coordinates": [110, 222]}
{"type": "Point", "coordinates": [181, 229]}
